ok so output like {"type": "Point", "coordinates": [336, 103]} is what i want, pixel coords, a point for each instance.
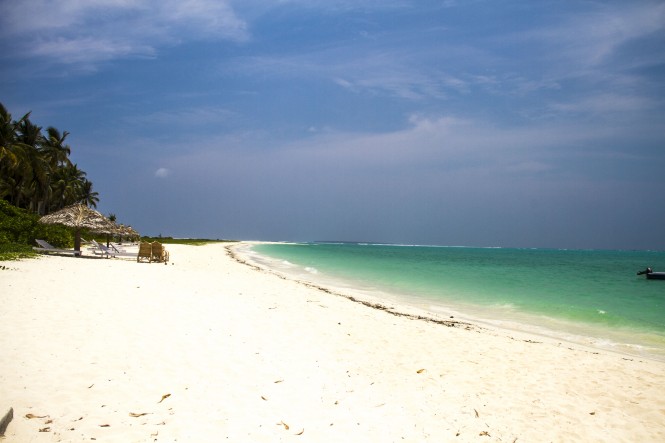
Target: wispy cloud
{"type": "Point", "coordinates": [606, 103]}
{"type": "Point", "coordinates": [397, 74]}
{"type": "Point", "coordinates": [598, 36]}
{"type": "Point", "coordinates": [187, 117]}
{"type": "Point", "coordinates": [441, 146]}
{"type": "Point", "coordinates": [333, 5]}
{"type": "Point", "coordinates": [531, 60]}
{"type": "Point", "coordinates": [87, 32]}
{"type": "Point", "coordinates": [375, 71]}
{"type": "Point", "coordinates": [207, 18]}
{"type": "Point", "coordinates": [580, 43]}
{"type": "Point", "coordinates": [88, 50]}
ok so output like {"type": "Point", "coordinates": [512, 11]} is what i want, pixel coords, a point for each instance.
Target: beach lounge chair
{"type": "Point", "coordinates": [110, 251]}
{"type": "Point", "coordinates": [98, 249]}
{"type": "Point", "coordinates": [117, 247]}
{"type": "Point", "coordinates": [145, 252]}
{"type": "Point", "coordinates": [159, 253]}
{"type": "Point", "coordinates": [46, 247]}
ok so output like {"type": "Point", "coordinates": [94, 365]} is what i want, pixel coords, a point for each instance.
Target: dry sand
{"type": "Point", "coordinates": [208, 349]}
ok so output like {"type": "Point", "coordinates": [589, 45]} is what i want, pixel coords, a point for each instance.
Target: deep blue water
{"type": "Point", "coordinates": [594, 293]}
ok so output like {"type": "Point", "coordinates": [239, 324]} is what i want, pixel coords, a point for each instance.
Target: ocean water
{"type": "Point", "coordinates": [593, 297]}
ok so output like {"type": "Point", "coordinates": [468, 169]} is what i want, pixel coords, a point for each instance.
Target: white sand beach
{"type": "Point", "coordinates": [208, 349]}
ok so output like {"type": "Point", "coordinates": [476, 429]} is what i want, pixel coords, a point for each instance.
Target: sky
{"type": "Point", "coordinates": [479, 123]}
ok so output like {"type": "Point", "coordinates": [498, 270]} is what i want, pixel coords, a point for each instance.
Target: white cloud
{"type": "Point", "coordinates": [605, 103]}
{"type": "Point", "coordinates": [588, 39]}
{"type": "Point", "coordinates": [431, 147]}
{"type": "Point", "coordinates": [89, 50]}
{"type": "Point", "coordinates": [76, 31]}
{"type": "Point", "coordinates": [385, 71]}
{"type": "Point", "coordinates": [208, 17]}
{"type": "Point", "coordinates": [162, 173]}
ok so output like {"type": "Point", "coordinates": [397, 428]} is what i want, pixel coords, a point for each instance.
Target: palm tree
{"type": "Point", "coordinates": [87, 196]}
{"type": "Point", "coordinates": [29, 133]}
{"type": "Point", "coordinates": [12, 156]}
{"type": "Point", "coordinates": [54, 148]}
{"type": "Point", "coordinates": [35, 174]}
{"type": "Point", "coordinates": [8, 140]}
{"type": "Point", "coordinates": [56, 154]}
{"type": "Point", "coordinates": [66, 186]}
{"type": "Point", "coordinates": [35, 170]}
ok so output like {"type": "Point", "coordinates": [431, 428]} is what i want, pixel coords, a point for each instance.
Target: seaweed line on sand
{"type": "Point", "coordinates": [448, 323]}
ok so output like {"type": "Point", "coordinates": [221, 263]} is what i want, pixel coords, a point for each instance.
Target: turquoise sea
{"type": "Point", "coordinates": [589, 296]}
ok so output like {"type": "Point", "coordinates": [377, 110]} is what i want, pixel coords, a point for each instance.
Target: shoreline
{"type": "Point", "coordinates": [370, 304]}
{"type": "Point", "coordinates": [207, 349]}
{"type": "Point", "coordinates": [590, 337]}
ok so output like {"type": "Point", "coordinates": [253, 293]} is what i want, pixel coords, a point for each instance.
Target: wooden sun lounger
{"type": "Point", "coordinates": [145, 252]}
{"type": "Point", "coordinates": [159, 253]}
{"type": "Point", "coordinates": [152, 252]}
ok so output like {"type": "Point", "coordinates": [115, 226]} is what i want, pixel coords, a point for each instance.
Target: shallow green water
{"type": "Point", "coordinates": [590, 292]}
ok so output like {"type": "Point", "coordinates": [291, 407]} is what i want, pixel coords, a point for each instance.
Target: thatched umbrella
{"type": "Point", "coordinates": [130, 232]}
{"type": "Point", "coordinates": [127, 231]}
{"type": "Point", "coordinates": [124, 231]}
{"type": "Point", "coordinates": [79, 217]}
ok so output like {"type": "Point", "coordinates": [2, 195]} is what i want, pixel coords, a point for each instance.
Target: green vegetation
{"type": "Point", "coordinates": [36, 178]}
{"type": "Point", "coordinates": [14, 251]}
{"type": "Point", "coordinates": [19, 228]}
{"type": "Point", "coordinates": [35, 170]}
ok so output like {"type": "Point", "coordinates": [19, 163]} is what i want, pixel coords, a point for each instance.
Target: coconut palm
{"type": "Point", "coordinates": [13, 165]}
{"type": "Point", "coordinates": [66, 186]}
{"type": "Point", "coordinates": [56, 153]}
{"type": "Point", "coordinates": [87, 196]}
{"type": "Point", "coordinates": [54, 148]}
{"type": "Point", "coordinates": [8, 139]}
{"type": "Point", "coordinates": [35, 170]}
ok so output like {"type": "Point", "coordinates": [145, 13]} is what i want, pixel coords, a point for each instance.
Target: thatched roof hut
{"type": "Point", "coordinates": [79, 217]}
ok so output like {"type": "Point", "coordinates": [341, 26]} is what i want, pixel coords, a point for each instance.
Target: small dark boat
{"type": "Point", "coordinates": [652, 275]}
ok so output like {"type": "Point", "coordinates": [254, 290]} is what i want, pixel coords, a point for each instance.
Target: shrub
{"type": "Point", "coordinates": [18, 226]}
{"type": "Point", "coordinates": [58, 235]}
{"type": "Point", "coordinates": [14, 251]}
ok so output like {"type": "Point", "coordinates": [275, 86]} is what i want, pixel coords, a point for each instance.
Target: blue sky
{"type": "Point", "coordinates": [480, 123]}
